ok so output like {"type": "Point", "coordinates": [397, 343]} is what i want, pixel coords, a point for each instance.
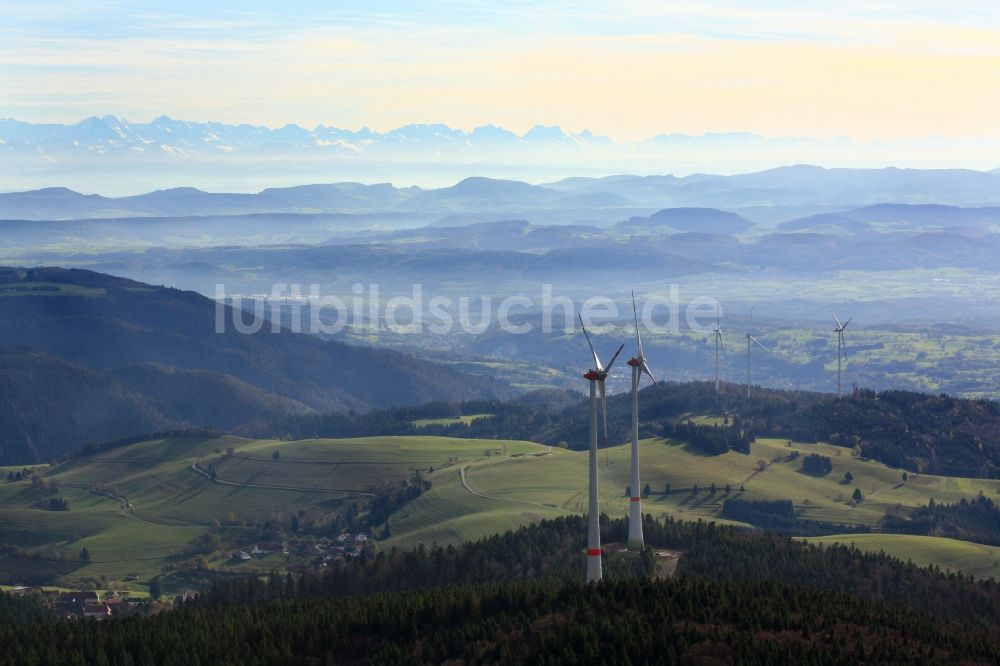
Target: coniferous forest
{"type": "Point", "coordinates": [516, 598]}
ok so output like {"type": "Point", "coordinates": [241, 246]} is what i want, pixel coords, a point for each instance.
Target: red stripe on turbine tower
{"type": "Point", "coordinates": [639, 368]}
{"type": "Point", "coordinates": [596, 377]}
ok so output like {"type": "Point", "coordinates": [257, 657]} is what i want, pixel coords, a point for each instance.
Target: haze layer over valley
{"type": "Point", "coordinates": [909, 253]}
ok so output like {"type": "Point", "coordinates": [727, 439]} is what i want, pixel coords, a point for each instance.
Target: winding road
{"type": "Point", "coordinates": [468, 488]}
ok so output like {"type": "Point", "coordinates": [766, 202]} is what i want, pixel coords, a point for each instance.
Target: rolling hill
{"type": "Point", "coordinates": [160, 345]}
{"type": "Point", "coordinates": [49, 405]}
{"type": "Point", "coordinates": [476, 488]}
{"type": "Point", "coordinates": [702, 220]}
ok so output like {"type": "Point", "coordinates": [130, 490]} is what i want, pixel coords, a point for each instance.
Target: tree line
{"type": "Point", "coordinates": [975, 520]}
{"type": "Point", "coordinates": [918, 432]}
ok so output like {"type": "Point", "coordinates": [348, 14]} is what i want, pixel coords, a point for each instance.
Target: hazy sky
{"type": "Point", "coordinates": [628, 70]}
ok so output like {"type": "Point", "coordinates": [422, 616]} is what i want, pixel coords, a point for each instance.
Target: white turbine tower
{"type": "Point", "coordinates": [718, 346]}
{"type": "Point", "coordinates": [751, 340]}
{"type": "Point", "coordinates": [596, 377]}
{"type": "Point", "coordinates": [639, 366]}
{"type": "Point", "coordinates": [841, 351]}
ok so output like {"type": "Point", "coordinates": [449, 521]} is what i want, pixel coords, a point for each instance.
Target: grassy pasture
{"type": "Point", "coordinates": [465, 419]}
{"type": "Point", "coordinates": [949, 554]}
{"type": "Point", "coordinates": [172, 504]}
{"type": "Point", "coordinates": [42, 288]}
{"type": "Point", "coordinates": [527, 488]}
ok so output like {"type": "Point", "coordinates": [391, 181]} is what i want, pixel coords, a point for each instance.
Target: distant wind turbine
{"type": "Point", "coordinates": [751, 339]}
{"type": "Point", "coordinates": [841, 350]}
{"type": "Point", "coordinates": [718, 347]}
{"type": "Point", "coordinates": [596, 377]}
{"type": "Point", "coordinates": [639, 366]}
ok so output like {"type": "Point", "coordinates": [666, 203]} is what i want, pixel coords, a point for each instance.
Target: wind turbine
{"type": "Point", "coordinates": [841, 351]}
{"type": "Point", "coordinates": [596, 377]}
{"type": "Point", "coordinates": [753, 340]}
{"type": "Point", "coordinates": [639, 366]}
{"type": "Point", "coordinates": [718, 346]}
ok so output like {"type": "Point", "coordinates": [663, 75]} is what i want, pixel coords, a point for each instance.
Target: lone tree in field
{"type": "Point", "coordinates": [646, 490]}
{"type": "Point", "coordinates": [857, 496]}
{"type": "Point", "coordinates": [848, 477]}
{"type": "Point", "coordinates": [155, 589]}
{"type": "Point", "coordinates": [84, 555]}
{"type": "Point", "coordinates": [276, 456]}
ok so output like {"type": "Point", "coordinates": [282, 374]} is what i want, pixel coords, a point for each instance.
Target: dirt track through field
{"type": "Point", "coordinates": [468, 488]}
{"type": "Point", "coordinates": [126, 507]}
{"type": "Point", "coordinates": [262, 486]}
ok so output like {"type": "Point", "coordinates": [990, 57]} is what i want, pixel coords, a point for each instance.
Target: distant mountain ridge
{"type": "Point", "coordinates": [900, 217]}
{"type": "Point", "coordinates": [469, 195]}
{"type": "Point", "coordinates": [759, 197]}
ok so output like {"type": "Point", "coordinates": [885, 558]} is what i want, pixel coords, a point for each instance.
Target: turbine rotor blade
{"type": "Point", "coordinates": [840, 326]}
{"type": "Point", "coordinates": [612, 362]}
{"type": "Point", "coordinates": [645, 368]}
{"type": "Point", "coordinates": [846, 323]}
{"type": "Point", "coordinates": [597, 361]}
{"type": "Point", "coordinates": [759, 344]}
{"type": "Point", "coordinates": [638, 338]}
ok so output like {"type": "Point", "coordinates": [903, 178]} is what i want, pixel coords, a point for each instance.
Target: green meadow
{"type": "Point", "coordinates": [138, 508]}
{"type": "Point", "coordinates": [949, 554]}
{"type": "Point", "coordinates": [465, 419]}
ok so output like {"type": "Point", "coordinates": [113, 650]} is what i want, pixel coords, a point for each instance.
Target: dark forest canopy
{"type": "Point", "coordinates": [637, 621]}
{"type": "Point", "coordinates": [516, 598]}
{"type": "Point", "coordinates": [970, 520]}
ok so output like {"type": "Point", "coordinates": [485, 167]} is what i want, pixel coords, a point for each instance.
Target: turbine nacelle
{"type": "Point", "coordinates": [640, 359]}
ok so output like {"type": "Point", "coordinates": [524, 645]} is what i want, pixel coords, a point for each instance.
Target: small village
{"type": "Point", "coordinates": [312, 554]}
{"type": "Point", "coordinates": [85, 604]}
{"type": "Point", "coordinates": [319, 552]}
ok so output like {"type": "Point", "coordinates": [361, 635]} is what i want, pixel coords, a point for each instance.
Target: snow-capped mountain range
{"type": "Point", "coordinates": [112, 155]}
{"type": "Point", "coordinates": [179, 137]}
